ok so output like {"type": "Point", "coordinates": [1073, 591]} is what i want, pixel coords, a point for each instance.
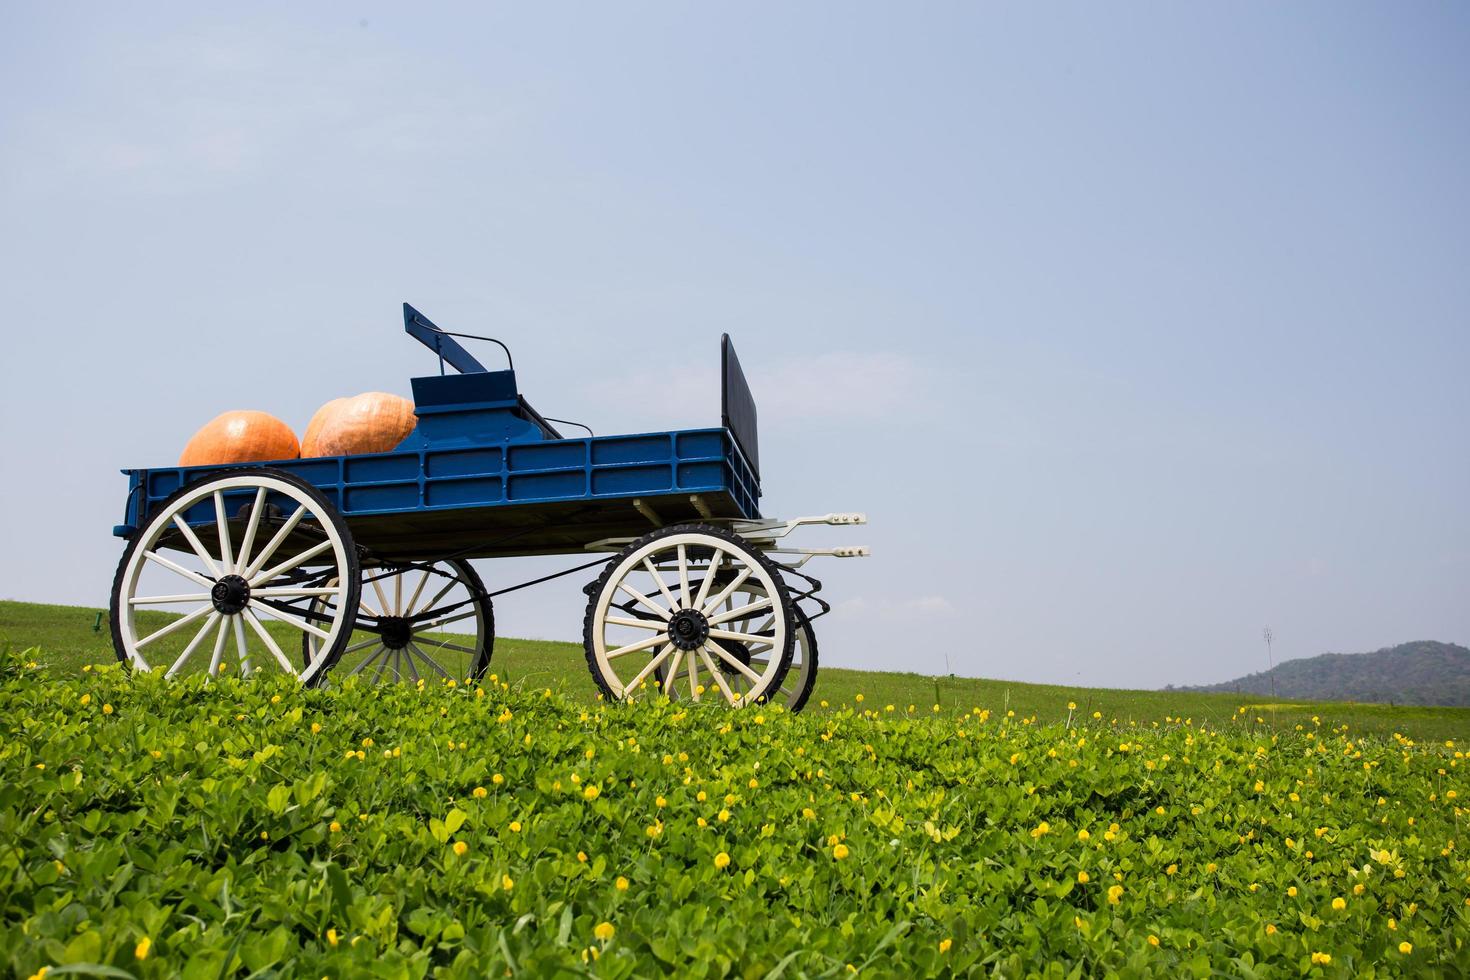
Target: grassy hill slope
{"type": "Point", "coordinates": [68, 639]}
{"type": "Point", "coordinates": [1425, 672]}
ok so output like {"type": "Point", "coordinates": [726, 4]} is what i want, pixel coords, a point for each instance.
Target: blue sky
{"type": "Point", "coordinates": [1133, 329]}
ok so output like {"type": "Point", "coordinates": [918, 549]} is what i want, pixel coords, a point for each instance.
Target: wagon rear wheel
{"type": "Point", "coordinates": [797, 686]}
{"type": "Point", "coordinates": [430, 621]}
{"type": "Point", "coordinates": [227, 571]}
{"type": "Point", "coordinates": [662, 619]}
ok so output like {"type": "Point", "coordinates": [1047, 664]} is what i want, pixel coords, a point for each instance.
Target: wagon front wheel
{"type": "Point", "coordinates": [230, 569]}
{"type": "Point", "coordinates": [671, 615]}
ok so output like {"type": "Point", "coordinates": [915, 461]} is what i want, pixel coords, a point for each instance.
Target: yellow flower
{"type": "Point", "coordinates": [1115, 894]}
{"type": "Point", "coordinates": [461, 848]}
{"type": "Point", "coordinates": [840, 851]}
{"type": "Point", "coordinates": [275, 699]}
{"type": "Point", "coordinates": [1083, 877]}
{"type": "Point", "coordinates": [945, 944]}
{"type": "Point", "coordinates": [1041, 830]}
{"type": "Point", "coordinates": [604, 931]}
{"type": "Point", "coordinates": [582, 856]}
{"type": "Point", "coordinates": [107, 709]}
{"type": "Point", "coordinates": [1338, 904]}
{"type": "Point", "coordinates": [334, 826]}
{"type": "Point", "coordinates": [809, 813]}
{"type": "Point", "coordinates": [331, 937]}
{"type": "Point", "coordinates": [859, 699]}
{"type": "Point", "coordinates": [86, 699]}
{"type": "Point", "coordinates": [1083, 835]}
{"type": "Point", "coordinates": [1323, 958]}
{"type": "Point", "coordinates": [656, 828]}
{"type": "Point", "coordinates": [591, 791]}
{"type": "Point", "coordinates": [367, 743]}
{"type": "Point", "coordinates": [507, 882]}
{"type": "Point", "coordinates": [1210, 868]}
{"type": "Point", "coordinates": [1071, 705]}
{"type": "Point", "coordinates": [723, 816]}
{"type": "Point", "coordinates": [1172, 870]}
{"type": "Point", "coordinates": [316, 728]}
{"type": "Point", "coordinates": [145, 944]}
{"type": "Point", "coordinates": [515, 826]}
{"type": "Point", "coordinates": [621, 884]}
{"type": "Point", "coordinates": [480, 793]}
{"type": "Point", "coordinates": [1270, 929]}
{"type": "Point", "coordinates": [1406, 948]}
{"type": "Point", "coordinates": [1291, 892]}
{"type": "Point", "coordinates": [722, 860]}
{"type": "Point", "coordinates": [1096, 715]}
{"type": "Point", "coordinates": [497, 779]}
{"type": "Point", "coordinates": [660, 802]}
{"type": "Point", "coordinates": [1153, 940]}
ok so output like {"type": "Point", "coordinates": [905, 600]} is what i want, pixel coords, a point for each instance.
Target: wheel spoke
{"type": "Point", "coordinates": [648, 668]}
{"type": "Point", "coordinates": [683, 578]}
{"type": "Point", "coordinates": [240, 646]}
{"type": "Point", "coordinates": [709, 577]}
{"type": "Point", "coordinates": [742, 612]}
{"type": "Point", "coordinates": [408, 658]}
{"type": "Point", "coordinates": [413, 601]}
{"type": "Point", "coordinates": [291, 563]}
{"type": "Point", "coordinates": [652, 641]}
{"type": "Point", "coordinates": [151, 600]}
{"type": "Point", "coordinates": [642, 624]}
{"type": "Point", "coordinates": [368, 659]}
{"type": "Point", "coordinates": [398, 595]}
{"type": "Point", "coordinates": [454, 646]}
{"type": "Point", "coordinates": [250, 529]}
{"type": "Point", "coordinates": [643, 600]}
{"type": "Point", "coordinates": [222, 521]}
{"type": "Point", "coordinates": [300, 624]}
{"type": "Point", "coordinates": [718, 675]}
{"type": "Point", "coordinates": [673, 673]}
{"type": "Point", "coordinates": [173, 627]}
{"type": "Point", "coordinates": [382, 665]}
{"type": "Point", "coordinates": [658, 577]}
{"type": "Point", "coordinates": [189, 650]}
{"type": "Point", "coordinates": [274, 543]}
{"type": "Point", "coordinates": [429, 606]}
{"type": "Point", "coordinates": [197, 545]}
{"type": "Point", "coordinates": [693, 663]}
{"type": "Point", "coordinates": [268, 640]}
{"type": "Point", "coordinates": [158, 559]}
{"type": "Point", "coordinates": [734, 661]}
{"type": "Point", "coordinates": [729, 590]}
{"type": "Point", "coordinates": [382, 598]}
{"type": "Point", "coordinates": [435, 624]}
{"type": "Point", "coordinates": [360, 646]}
{"type": "Point", "coordinates": [219, 646]}
{"type": "Point", "coordinates": [428, 659]}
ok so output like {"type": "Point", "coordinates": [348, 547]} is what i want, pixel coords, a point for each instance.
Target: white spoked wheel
{"type": "Point", "coordinates": [662, 619]}
{"type": "Point", "coordinates": [430, 621]}
{"type": "Point", "coordinates": [233, 567]}
{"type": "Point", "coordinates": [797, 686]}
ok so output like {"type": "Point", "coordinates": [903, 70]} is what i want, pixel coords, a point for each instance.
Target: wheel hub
{"type": "Point", "coordinates": [396, 632]}
{"type": "Point", "coordinates": [688, 629]}
{"type": "Point", "coordinates": [230, 594]}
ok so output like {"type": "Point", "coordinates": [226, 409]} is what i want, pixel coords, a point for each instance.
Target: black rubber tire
{"type": "Point", "coordinates": [471, 578]}
{"type": "Point", "coordinates": [805, 625]}
{"type": "Point", "coordinates": [338, 523]}
{"type": "Point", "coordinates": [595, 591]}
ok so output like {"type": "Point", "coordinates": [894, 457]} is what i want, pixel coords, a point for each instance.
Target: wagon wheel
{"type": "Point", "coordinates": [230, 554]}
{"type": "Point", "coordinates": [797, 686]}
{"type": "Point", "coordinates": [686, 582]}
{"type": "Point", "coordinates": [415, 615]}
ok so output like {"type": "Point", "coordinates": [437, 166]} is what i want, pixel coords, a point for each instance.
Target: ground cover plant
{"type": "Point", "coordinates": [72, 637]}
{"type": "Point", "coordinates": [252, 827]}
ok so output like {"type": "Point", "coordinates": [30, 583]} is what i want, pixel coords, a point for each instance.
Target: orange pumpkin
{"type": "Point", "coordinates": [240, 437]}
{"type": "Point", "coordinates": [372, 422]}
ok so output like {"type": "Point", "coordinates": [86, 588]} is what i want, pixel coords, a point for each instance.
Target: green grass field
{"type": "Point", "coordinates": [68, 638]}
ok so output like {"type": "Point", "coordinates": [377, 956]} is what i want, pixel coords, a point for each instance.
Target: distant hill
{"type": "Point", "coordinates": [1425, 672]}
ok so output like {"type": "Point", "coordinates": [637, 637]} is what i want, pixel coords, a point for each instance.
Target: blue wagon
{"type": "Point", "coordinates": [367, 557]}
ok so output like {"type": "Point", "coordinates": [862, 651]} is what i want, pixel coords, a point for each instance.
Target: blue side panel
{"type": "Point", "coordinates": [446, 477]}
